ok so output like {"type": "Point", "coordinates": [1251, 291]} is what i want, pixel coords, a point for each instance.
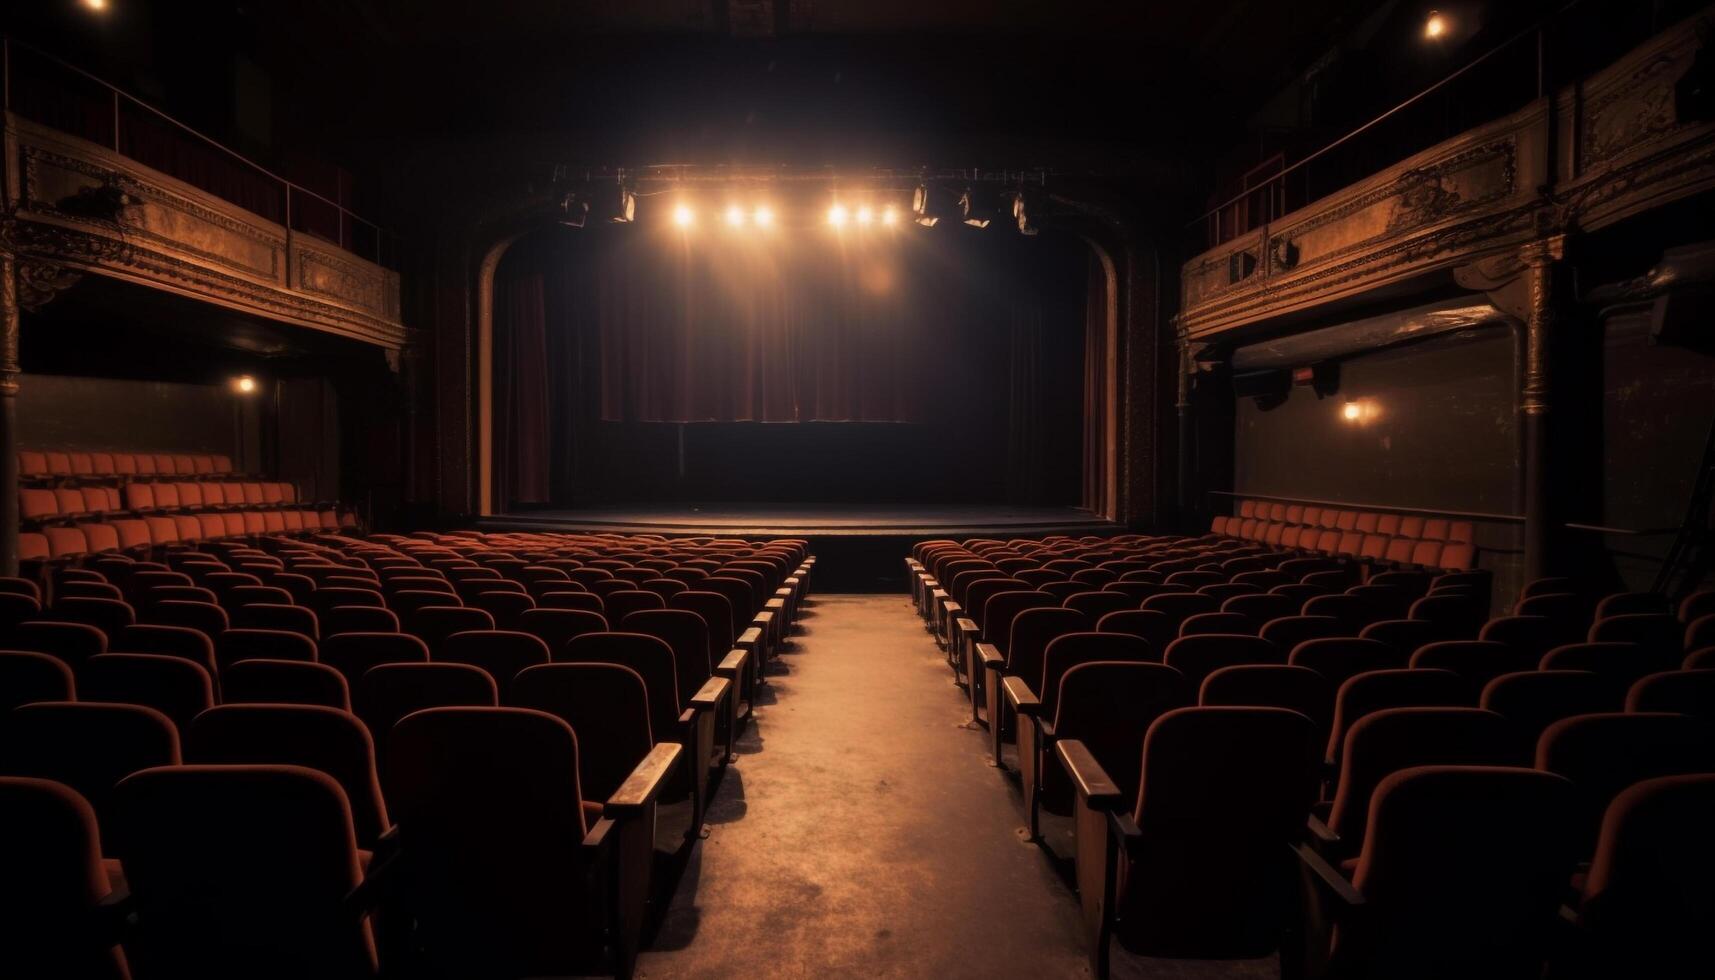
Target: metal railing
{"type": "Point", "coordinates": [1524, 66]}
{"type": "Point", "coordinates": [54, 93]}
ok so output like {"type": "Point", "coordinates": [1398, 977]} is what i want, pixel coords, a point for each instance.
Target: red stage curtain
{"type": "Point", "coordinates": [521, 432]}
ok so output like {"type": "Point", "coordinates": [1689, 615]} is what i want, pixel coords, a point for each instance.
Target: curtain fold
{"type": "Point", "coordinates": [521, 435]}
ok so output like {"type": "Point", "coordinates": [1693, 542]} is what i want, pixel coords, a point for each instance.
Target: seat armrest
{"type": "Point", "coordinates": [1020, 696]}
{"type": "Point", "coordinates": [1320, 833]}
{"type": "Point", "coordinates": [711, 694]}
{"type": "Point", "coordinates": [645, 782]}
{"type": "Point", "coordinates": [1333, 884]}
{"type": "Point", "coordinates": [1097, 790]}
{"type": "Point", "coordinates": [990, 657]}
{"type": "Point", "coordinates": [733, 664]}
{"type": "Point", "coordinates": [750, 637]}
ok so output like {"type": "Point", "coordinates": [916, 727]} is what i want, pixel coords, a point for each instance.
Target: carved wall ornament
{"type": "Point", "coordinates": [39, 282]}
{"type": "Point", "coordinates": [1628, 113]}
{"type": "Point", "coordinates": [1285, 254]}
{"type": "Point", "coordinates": [1424, 197]}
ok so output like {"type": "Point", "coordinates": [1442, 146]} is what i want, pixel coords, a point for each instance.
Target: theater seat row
{"type": "Point", "coordinates": [440, 704]}
{"type": "Point", "coordinates": [55, 542]}
{"type": "Point", "coordinates": [1174, 862]}
{"type": "Point", "coordinates": [36, 465]}
{"type": "Point", "coordinates": [1368, 535]}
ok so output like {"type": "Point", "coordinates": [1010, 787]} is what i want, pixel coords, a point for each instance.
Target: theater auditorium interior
{"type": "Point", "coordinates": [1160, 490]}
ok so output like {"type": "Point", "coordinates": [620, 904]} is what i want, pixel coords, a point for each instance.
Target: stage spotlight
{"type": "Point", "coordinates": [932, 202]}
{"type": "Point", "coordinates": [573, 210]}
{"type": "Point", "coordinates": [979, 206]}
{"type": "Point", "coordinates": [865, 215]}
{"type": "Point", "coordinates": [244, 384]}
{"type": "Point", "coordinates": [99, 6]}
{"type": "Point", "coordinates": [735, 216]}
{"type": "Point", "coordinates": [1026, 208]}
{"type": "Point", "coordinates": [837, 215]}
{"type": "Point", "coordinates": [683, 215]}
{"type": "Point", "coordinates": [890, 216]}
{"type": "Point", "coordinates": [764, 216]}
{"type": "Point", "coordinates": [610, 201]}
{"type": "Point", "coordinates": [1435, 28]}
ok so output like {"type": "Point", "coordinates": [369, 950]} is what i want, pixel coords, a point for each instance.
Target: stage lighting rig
{"type": "Point", "coordinates": [1027, 209]}
{"type": "Point", "coordinates": [980, 205]}
{"type": "Point", "coordinates": [934, 201]}
{"type": "Point", "coordinates": [610, 201]}
{"type": "Point", "coordinates": [574, 210]}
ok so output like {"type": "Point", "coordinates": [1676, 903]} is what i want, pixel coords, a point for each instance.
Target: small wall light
{"type": "Point", "coordinates": [244, 384]}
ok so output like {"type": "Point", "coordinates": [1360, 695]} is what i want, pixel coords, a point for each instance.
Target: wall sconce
{"type": "Point", "coordinates": [244, 384]}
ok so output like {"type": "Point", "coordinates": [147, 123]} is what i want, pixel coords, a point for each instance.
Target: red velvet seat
{"type": "Point", "coordinates": [1533, 700]}
{"type": "Point", "coordinates": [502, 653]}
{"type": "Point", "coordinates": [234, 645]}
{"type": "Point", "coordinates": [1288, 632]}
{"type": "Point", "coordinates": [72, 643]}
{"type": "Point", "coordinates": [1339, 658]}
{"type": "Point", "coordinates": [435, 623]}
{"type": "Point", "coordinates": [1404, 635]}
{"type": "Point", "coordinates": [607, 706]}
{"type": "Point", "coordinates": [1174, 863]}
{"type": "Point", "coordinates": [685, 634]}
{"type": "Point", "coordinates": [107, 615]}
{"type": "Point", "coordinates": [327, 739]}
{"type": "Point", "coordinates": [1634, 603]}
{"type": "Point", "coordinates": [488, 801]}
{"type": "Point", "coordinates": [1461, 875]}
{"type": "Point", "coordinates": [1686, 692]}
{"type": "Point", "coordinates": [353, 654]}
{"type": "Point", "coordinates": [1196, 657]}
{"type": "Point", "coordinates": [388, 692]}
{"type": "Point", "coordinates": [89, 746]}
{"type": "Point", "coordinates": [1659, 633]}
{"type": "Point", "coordinates": [1645, 907]}
{"type": "Point", "coordinates": [715, 610]}
{"type": "Point", "coordinates": [265, 681]}
{"type": "Point", "coordinates": [174, 686]}
{"type": "Point", "coordinates": [1602, 754]}
{"type": "Point", "coordinates": [1623, 662]}
{"type": "Point", "coordinates": [173, 641]}
{"type": "Point", "coordinates": [650, 657]}
{"type": "Point", "coordinates": [1095, 605]}
{"type": "Point", "coordinates": [356, 619]}
{"type": "Point", "coordinates": [582, 601]}
{"type": "Point", "coordinates": [206, 617]}
{"type": "Point", "coordinates": [1478, 661]}
{"type": "Point", "coordinates": [27, 677]}
{"type": "Point", "coordinates": [282, 911]}
{"type": "Point", "coordinates": [1377, 690]}
{"type": "Point", "coordinates": [556, 627]}
{"type": "Point", "coordinates": [1297, 689]}
{"type": "Point", "coordinates": [53, 922]}
{"type": "Point", "coordinates": [1385, 741]}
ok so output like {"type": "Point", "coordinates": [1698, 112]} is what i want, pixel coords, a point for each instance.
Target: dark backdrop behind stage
{"type": "Point", "coordinates": [643, 362]}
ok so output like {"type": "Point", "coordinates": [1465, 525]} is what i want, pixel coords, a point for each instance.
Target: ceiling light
{"type": "Point", "coordinates": [244, 384]}
{"type": "Point", "coordinates": [1435, 28]}
{"type": "Point", "coordinates": [1352, 411]}
{"type": "Point", "coordinates": [837, 215]}
{"type": "Point", "coordinates": [764, 216]}
{"type": "Point", "coordinates": [683, 215]}
{"type": "Point", "coordinates": [890, 216]}
{"type": "Point", "coordinates": [735, 216]}
{"type": "Point", "coordinates": [932, 202]}
{"type": "Point", "coordinates": [99, 6]}
{"type": "Point", "coordinates": [865, 215]}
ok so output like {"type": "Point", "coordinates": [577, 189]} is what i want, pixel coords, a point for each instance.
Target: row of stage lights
{"type": "Point", "coordinates": [762, 216]}
{"type": "Point", "coordinates": [931, 204]}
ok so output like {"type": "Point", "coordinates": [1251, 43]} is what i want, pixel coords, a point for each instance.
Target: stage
{"type": "Point", "coordinates": [861, 547]}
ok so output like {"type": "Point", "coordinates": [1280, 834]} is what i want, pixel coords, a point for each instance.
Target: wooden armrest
{"type": "Point", "coordinates": [964, 625]}
{"type": "Point", "coordinates": [687, 721]}
{"type": "Point", "coordinates": [598, 841]}
{"type": "Point", "coordinates": [733, 664]}
{"type": "Point", "coordinates": [645, 782]}
{"type": "Point", "coordinates": [1332, 882]}
{"type": "Point", "coordinates": [1020, 696]}
{"type": "Point", "coordinates": [1320, 832]}
{"type": "Point", "coordinates": [990, 657]}
{"type": "Point", "coordinates": [750, 637]}
{"type": "Point", "coordinates": [711, 694]}
{"type": "Point", "coordinates": [763, 619]}
{"type": "Point", "coordinates": [1094, 786]}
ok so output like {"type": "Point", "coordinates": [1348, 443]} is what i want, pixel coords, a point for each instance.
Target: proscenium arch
{"type": "Point", "coordinates": [1110, 505]}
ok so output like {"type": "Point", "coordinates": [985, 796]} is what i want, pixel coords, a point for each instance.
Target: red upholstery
{"type": "Point", "coordinates": [651, 658]}
{"type": "Point", "coordinates": [88, 746]}
{"type": "Point", "coordinates": [177, 687]}
{"type": "Point", "coordinates": [1377, 690]}
{"type": "Point", "coordinates": [27, 677]}
{"type": "Point", "coordinates": [264, 681]}
{"type": "Point", "coordinates": [53, 882]}
{"type": "Point", "coordinates": [502, 653]}
{"type": "Point", "coordinates": [1478, 661]}
{"type": "Point", "coordinates": [219, 902]}
{"type": "Point", "coordinates": [1602, 754]}
{"type": "Point", "coordinates": [1338, 658]}
{"type": "Point", "coordinates": [234, 645]}
{"type": "Point", "coordinates": [606, 704]}
{"type": "Point", "coordinates": [1533, 700]}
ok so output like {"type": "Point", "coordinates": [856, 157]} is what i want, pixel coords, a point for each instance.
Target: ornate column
{"type": "Point", "coordinates": [8, 413]}
{"type": "Point", "coordinates": [1544, 262]}
{"type": "Point", "coordinates": [1185, 504]}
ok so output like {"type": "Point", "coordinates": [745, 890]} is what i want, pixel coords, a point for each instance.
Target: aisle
{"type": "Point", "coordinates": [861, 833]}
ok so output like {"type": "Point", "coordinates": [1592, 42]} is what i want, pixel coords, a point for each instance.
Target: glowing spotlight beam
{"type": "Point", "coordinates": [735, 216]}
{"type": "Point", "coordinates": [837, 215]}
{"type": "Point", "coordinates": [763, 216]}
{"type": "Point", "coordinates": [683, 215]}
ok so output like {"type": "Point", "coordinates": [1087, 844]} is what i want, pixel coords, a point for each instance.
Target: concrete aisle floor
{"type": "Point", "coordinates": [862, 834]}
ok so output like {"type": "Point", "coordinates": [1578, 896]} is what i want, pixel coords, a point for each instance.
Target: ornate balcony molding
{"type": "Point", "coordinates": [1621, 147]}
{"type": "Point", "coordinates": [82, 208]}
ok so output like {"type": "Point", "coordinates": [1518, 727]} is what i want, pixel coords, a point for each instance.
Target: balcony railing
{"type": "Point", "coordinates": [1569, 43]}
{"type": "Point", "coordinates": [51, 92]}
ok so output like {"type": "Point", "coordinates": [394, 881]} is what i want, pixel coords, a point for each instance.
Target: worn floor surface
{"type": "Point", "coordinates": [862, 834]}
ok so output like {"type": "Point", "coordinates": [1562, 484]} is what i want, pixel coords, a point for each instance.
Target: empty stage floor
{"type": "Point", "coordinates": [862, 834]}
{"type": "Point", "coordinates": [812, 520]}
